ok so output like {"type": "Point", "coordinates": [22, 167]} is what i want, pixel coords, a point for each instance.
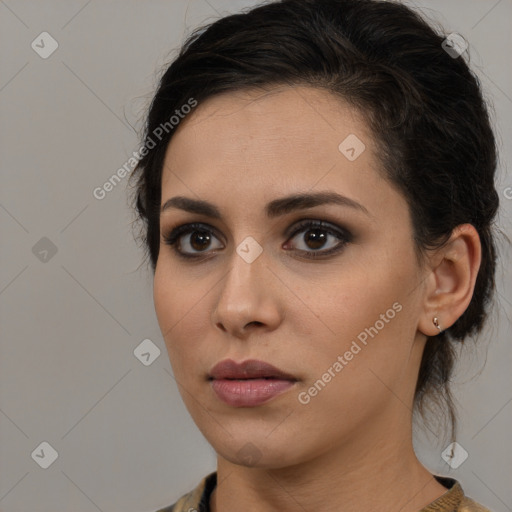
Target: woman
{"type": "Point", "coordinates": [317, 192]}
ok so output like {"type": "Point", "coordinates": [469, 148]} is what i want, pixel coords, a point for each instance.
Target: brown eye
{"type": "Point", "coordinates": [191, 240]}
{"type": "Point", "coordinates": [315, 238]}
{"type": "Point", "coordinates": [314, 235]}
{"type": "Point", "coordinates": [199, 240]}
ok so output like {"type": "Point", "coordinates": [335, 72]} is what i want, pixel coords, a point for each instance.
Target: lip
{"type": "Point", "coordinates": [250, 369]}
{"type": "Point", "coordinates": [249, 383]}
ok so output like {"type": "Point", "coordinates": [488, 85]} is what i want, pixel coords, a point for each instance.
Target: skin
{"type": "Point", "coordinates": [349, 448]}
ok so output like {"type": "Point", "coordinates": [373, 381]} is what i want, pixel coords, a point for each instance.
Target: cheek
{"type": "Point", "coordinates": [367, 315]}
{"type": "Point", "coordinates": [177, 305]}
{"type": "Point", "coordinates": [355, 302]}
{"type": "Point", "coordinates": [165, 300]}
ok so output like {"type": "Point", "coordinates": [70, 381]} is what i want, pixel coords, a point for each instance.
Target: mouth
{"type": "Point", "coordinates": [249, 383]}
{"type": "Point", "coordinates": [247, 370]}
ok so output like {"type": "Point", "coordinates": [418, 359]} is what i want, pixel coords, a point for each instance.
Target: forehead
{"type": "Point", "coordinates": [269, 132]}
{"type": "Point", "coordinates": [243, 150]}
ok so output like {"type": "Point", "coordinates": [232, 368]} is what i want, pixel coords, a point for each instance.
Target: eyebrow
{"type": "Point", "coordinates": [275, 208]}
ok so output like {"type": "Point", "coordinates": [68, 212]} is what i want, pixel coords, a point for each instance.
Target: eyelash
{"type": "Point", "coordinates": [345, 236]}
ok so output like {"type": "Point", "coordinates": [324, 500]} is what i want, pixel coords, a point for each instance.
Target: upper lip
{"type": "Point", "coordinates": [250, 369]}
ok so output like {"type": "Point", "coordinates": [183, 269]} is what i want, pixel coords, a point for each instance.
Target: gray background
{"type": "Point", "coordinates": [70, 324]}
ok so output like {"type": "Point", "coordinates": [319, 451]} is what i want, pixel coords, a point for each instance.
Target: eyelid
{"type": "Point", "coordinates": [328, 226]}
{"type": "Point", "coordinates": [344, 235]}
{"type": "Point", "coordinates": [175, 232]}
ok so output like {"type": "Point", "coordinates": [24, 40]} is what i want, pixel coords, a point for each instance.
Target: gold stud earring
{"type": "Point", "coordinates": [435, 321]}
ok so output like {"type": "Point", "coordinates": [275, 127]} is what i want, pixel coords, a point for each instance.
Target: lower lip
{"type": "Point", "coordinates": [250, 392]}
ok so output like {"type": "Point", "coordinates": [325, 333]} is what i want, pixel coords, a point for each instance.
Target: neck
{"type": "Point", "coordinates": [378, 472]}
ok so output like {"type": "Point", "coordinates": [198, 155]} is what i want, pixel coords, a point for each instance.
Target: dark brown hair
{"type": "Point", "coordinates": [424, 106]}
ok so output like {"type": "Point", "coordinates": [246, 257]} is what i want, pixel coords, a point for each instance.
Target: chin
{"type": "Point", "coordinates": [257, 449]}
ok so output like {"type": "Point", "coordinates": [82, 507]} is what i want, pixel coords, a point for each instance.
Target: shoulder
{"type": "Point", "coordinates": [468, 505]}
{"type": "Point", "coordinates": [454, 499]}
{"type": "Point", "coordinates": [197, 500]}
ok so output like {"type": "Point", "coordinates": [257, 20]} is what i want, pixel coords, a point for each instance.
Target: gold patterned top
{"type": "Point", "coordinates": [453, 500]}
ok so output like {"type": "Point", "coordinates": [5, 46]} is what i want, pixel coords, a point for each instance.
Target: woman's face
{"type": "Point", "coordinates": [334, 307]}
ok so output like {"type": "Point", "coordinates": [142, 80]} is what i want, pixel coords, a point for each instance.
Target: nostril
{"type": "Point", "coordinates": [255, 323]}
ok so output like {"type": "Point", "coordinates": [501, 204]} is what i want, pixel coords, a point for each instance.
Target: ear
{"type": "Point", "coordinates": [451, 280]}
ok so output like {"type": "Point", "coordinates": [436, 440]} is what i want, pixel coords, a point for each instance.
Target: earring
{"type": "Point", "coordinates": [435, 321]}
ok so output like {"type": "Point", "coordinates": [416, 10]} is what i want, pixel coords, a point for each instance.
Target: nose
{"type": "Point", "coordinates": [248, 298]}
